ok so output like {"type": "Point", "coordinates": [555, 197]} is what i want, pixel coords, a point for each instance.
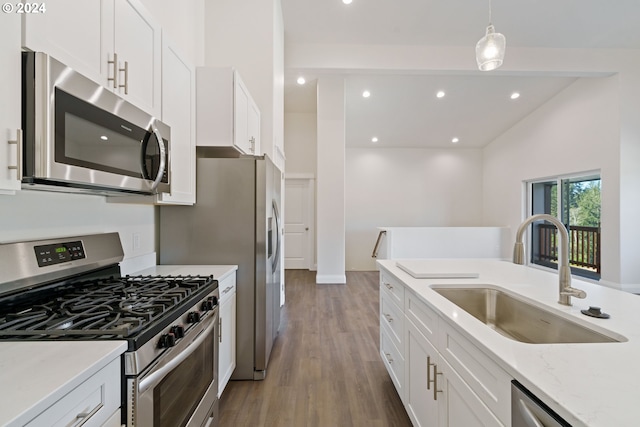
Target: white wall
{"type": "Point", "coordinates": [408, 187]}
{"type": "Point", "coordinates": [300, 142]}
{"type": "Point", "coordinates": [576, 131]}
{"type": "Point", "coordinates": [32, 215]}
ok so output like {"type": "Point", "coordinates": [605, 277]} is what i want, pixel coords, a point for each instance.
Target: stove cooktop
{"type": "Point", "coordinates": [132, 308]}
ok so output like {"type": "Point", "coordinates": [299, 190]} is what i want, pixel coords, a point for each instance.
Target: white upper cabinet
{"type": "Point", "coordinates": [227, 115]}
{"type": "Point", "coordinates": [178, 111]}
{"type": "Point", "coordinates": [9, 102]}
{"type": "Point", "coordinates": [117, 43]}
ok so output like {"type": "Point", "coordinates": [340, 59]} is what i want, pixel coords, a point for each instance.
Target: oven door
{"type": "Point", "coordinates": [181, 389]}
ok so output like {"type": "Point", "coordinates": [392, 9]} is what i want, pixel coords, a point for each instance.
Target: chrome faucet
{"type": "Point", "coordinates": [564, 271]}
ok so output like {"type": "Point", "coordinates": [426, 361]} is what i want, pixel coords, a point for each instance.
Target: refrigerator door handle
{"type": "Point", "coordinates": [276, 257]}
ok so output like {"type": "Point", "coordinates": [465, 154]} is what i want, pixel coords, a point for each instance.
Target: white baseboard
{"type": "Point", "coordinates": [329, 279]}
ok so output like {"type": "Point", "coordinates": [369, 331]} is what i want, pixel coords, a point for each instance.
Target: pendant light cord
{"type": "Point", "coordinates": [490, 23]}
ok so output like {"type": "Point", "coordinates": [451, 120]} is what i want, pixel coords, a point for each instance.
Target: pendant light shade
{"type": "Point", "coordinates": [490, 50]}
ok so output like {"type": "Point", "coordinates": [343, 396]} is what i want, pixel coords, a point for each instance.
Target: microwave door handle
{"type": "Point", "coordinates": [155, 377]}
{"type": "Point", "coordinates": [163, 157]}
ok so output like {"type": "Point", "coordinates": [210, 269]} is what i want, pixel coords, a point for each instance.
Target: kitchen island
{"type": "Point", "coordinates": [588, 384]}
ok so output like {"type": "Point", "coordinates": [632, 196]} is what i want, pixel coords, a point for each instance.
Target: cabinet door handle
{"type": "Point", "coordinates": [429, 365]}
{"type": "Point", "coordinates": [114, 62]}
{"type": "Point", "coordinates": [389, 358]}
{"type": "Point", "coordinates": [220, 329]}
{"type": "Point", "coordinates": [435, 382]}
{"type": "Point", "coordinates": [389, 286]}
{"type": "Point", "coordinates": [253, 144]}
{"type": "Point", "coordinates": [18, 143]}
{"type": "Point", "coordinates": [388, 317]}
{"type": "Point", "coordinates": [126, 77]}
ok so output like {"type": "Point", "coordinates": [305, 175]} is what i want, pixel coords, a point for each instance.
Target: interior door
{"type": "Point", "coordinates": [298, 224]}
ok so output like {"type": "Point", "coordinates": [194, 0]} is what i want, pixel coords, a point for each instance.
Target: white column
{"type": "Point", "coordinates": [330, 184]}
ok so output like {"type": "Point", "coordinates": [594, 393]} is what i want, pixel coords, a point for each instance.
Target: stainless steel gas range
{"type": "Point", "coordinates": [72, 289]}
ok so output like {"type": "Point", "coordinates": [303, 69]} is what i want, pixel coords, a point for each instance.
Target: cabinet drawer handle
{"type": "Point", "coordinates": [435, 382]}
{"type": "Point", "coordinates": [83, 417]}
{"type": "Point", "coordinates": [114, 79]}
{"type": "Point", "coordinates": [389, 286]}
{"type": "Point", "coordinates": [18, 143]}
{"type": "Point", "coordinates": [388, 317]}
{"type": "Point", "coordinates": [389, 358]}
{"type": "Point", "coordinates": [227, 289]}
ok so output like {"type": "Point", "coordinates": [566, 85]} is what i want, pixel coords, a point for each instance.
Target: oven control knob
{"type": "Point", "coordinates": [167, 340]}
{"type": "Point", "coordinates": [206, 305]}
{"type": "Point", "coordinates": [214, 301]}
{"type": "Point", "coordinates": [177, 331]}
{"type": "Point", "coordinates": [193, 317]}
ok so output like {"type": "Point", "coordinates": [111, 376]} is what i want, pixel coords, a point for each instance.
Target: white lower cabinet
{"type": "Point", "coordinates": [435, 394]}
{"type": "Point", "coordinates": [392, 322]}
{"type": "Point", "coordinates": [95, 402]}
{"type": "Point", "coordinates": [447, 381]}
{"type": "Point", "coordinates": [227, 336]}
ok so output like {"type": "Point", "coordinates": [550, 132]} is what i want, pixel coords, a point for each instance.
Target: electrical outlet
{"type": "Point", "coordinates": [136, 241]}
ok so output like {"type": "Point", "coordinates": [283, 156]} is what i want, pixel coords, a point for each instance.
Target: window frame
{"type": "Point", "coordinates": [582, 273]}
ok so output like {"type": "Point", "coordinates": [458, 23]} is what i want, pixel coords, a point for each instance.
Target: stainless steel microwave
{"type": "Point", "coordinates": [80, 136]}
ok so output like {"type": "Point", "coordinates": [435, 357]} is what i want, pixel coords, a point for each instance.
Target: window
{"type": "Point", "coordinates": [575, 200]}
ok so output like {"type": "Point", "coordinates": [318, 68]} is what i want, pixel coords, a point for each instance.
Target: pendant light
{"type": "Point", "coordinates": [490, 48]}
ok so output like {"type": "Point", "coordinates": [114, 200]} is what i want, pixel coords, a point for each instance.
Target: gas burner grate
{"type": "Point", "coordinates": [114, 307]}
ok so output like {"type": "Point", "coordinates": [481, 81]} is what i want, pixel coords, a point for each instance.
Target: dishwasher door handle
{"type": "Point", "coordinates": [528, 416]}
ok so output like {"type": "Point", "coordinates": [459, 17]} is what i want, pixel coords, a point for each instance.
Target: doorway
{"type": "Point", "coordinates": [299, 226]}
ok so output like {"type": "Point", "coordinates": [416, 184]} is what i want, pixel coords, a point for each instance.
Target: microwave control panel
{"type": "Point", "coordinates": [58, 253]}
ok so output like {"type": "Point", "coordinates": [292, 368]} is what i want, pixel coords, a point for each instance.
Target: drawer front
{"type": "Point", "coordinates": [393, 287]}
{"type": "Point", "coordinates": [393, 361]}
{"type": "Point", "coordinates": [227, 287]}
{"type": "Point", "coordinates": [425, 318]}
{"type": "Point", "coordinates": [92, 403]}
{"type": "Point", "coordinates": [392, 316]}
{"type": "Point", "coordinates": [484, 377]}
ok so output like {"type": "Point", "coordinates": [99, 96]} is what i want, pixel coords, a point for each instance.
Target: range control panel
{"type": "Point", "coordinates": [59, 253]}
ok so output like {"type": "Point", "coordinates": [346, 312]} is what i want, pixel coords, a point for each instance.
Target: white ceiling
{"type": "Point", "coordinates": [403, 110]}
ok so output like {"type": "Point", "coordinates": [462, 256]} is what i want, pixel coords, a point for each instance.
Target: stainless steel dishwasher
{"type": "Point", "coordinates": [529, 411]}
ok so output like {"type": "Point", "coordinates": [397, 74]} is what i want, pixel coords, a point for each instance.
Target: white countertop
{"type": "Point", "coordinates": [595, 385]}
{"type": "Point", "coordinates": [34, 375]}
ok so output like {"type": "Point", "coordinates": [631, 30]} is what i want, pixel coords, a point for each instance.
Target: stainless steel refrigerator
{"type": "Point", "coordinates": [235, 221]}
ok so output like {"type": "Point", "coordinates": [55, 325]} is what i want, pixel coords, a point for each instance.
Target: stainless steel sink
{"type": "Point", "coordinates": [520, 320]}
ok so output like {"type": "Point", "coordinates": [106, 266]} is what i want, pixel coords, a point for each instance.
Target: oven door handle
{"type": "Point", "coordinates": [157, 375]}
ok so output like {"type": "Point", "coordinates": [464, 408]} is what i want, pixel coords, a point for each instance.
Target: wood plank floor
{"type": "Point", "coordinates": [325, 368]}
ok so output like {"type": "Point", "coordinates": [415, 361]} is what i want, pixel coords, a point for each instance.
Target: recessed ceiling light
{"type": "Point", "coordinates": [347, 1]}
{"type": "Point", "coordinates": [374, 139]}
{"type": "Point", "coordinates": [104, 137]}
{"type": "Point", "coordinates": [366, 94]}
{"type": "Point", "coordinates": [301, 80]}
{"type": "Point", "coordinates": [515, 95]}
{"type": "Point", "coordinates": [440, 94]}
{"type": "Point", "coordinates": [455, 140]}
